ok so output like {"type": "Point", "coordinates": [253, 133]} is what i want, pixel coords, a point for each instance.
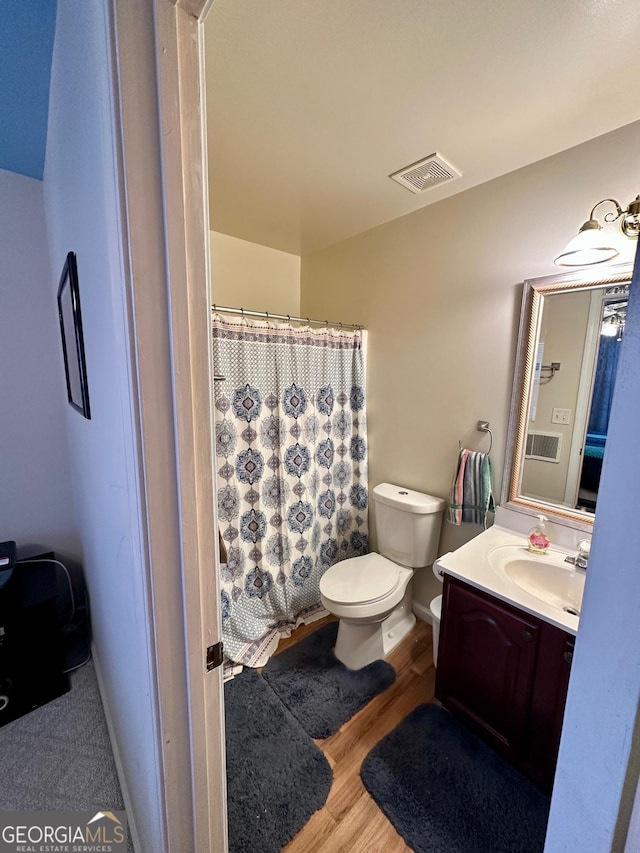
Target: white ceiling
{"type": "Point", "coordinates": [313, 103]}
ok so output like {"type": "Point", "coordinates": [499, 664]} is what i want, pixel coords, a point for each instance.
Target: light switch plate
{"type": "Point", "coordinates": [561, 416]}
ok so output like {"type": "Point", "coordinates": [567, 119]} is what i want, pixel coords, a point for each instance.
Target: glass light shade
{"type": "Point", "coordinates": [610, 328]}
{"type": "Point", "coordinates": [592, 246]}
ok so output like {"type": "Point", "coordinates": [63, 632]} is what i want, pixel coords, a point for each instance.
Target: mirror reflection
{"type": "Point", "coordinates": [570, 340]}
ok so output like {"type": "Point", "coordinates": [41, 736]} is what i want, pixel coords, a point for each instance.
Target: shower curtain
{"type": "Point", "coordinates": [291, 454]}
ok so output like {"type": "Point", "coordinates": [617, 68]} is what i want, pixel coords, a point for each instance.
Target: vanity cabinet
{"type": "Point", "coordinates": [504, 673]}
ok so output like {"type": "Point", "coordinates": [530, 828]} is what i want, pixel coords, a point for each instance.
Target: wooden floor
{"type": "Point", "coordinates": [350, 820]}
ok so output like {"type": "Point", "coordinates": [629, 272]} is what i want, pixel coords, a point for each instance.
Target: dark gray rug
{"type": "Point", "coordinates": [445, 791]}
{"type": "Point", "coordinates": [276, 775]}
{"type": "Point", "coordinates": [320, 691]}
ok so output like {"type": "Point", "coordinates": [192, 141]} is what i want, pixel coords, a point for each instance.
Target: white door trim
{"type": "Point", "coordinates": [156, 68]}
{"type": "Point", "coordinates": [184, 165]}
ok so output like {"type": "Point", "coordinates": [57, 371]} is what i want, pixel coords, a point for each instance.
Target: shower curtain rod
{"type": "Point", "coordinates": [269, 316]}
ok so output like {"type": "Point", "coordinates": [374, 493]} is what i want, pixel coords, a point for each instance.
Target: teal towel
{"type": "Point", "coordinates": [471, 495]}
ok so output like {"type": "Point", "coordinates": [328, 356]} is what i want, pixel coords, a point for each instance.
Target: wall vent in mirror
{"type": "Point", "coordinates": [544, 446]}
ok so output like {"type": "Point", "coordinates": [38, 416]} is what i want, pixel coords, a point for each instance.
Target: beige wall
{"type": "Point", "coordinates": [246, 275]}
{"type": "Point", "coordinates": [439, 291]}
{"type": "Point", "coordinates": [563, 331]}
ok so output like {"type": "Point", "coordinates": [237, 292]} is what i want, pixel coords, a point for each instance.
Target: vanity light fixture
{"type": "Point", "coordinates": [613, 324]}
{"type": "Point", "coordinates": [593, 245]}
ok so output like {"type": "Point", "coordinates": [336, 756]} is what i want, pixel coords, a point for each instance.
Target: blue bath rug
{"type": "Point", "coordinates": [445, 791]}
{"type": "Point", "coordinates": [276, 775]}
{"type": "Point", "coordinates": [321, 692]}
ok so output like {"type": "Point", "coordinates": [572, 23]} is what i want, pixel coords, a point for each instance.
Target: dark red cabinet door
{"type": "Point", "coordinates": [542, 741]}
{"type": "Point", "coordinates": [486, 664]}
{"type": "Point", "coordinates": [505, 673]}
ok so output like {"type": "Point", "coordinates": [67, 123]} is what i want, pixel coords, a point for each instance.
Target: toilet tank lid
{"type": "Point", "coordinates": [407, 500]}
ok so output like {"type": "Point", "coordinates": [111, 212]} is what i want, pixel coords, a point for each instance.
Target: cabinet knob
{"type": "Point", "coordinates": [568, 655]}
{"type": "Point", "coordinates": [527, 636]}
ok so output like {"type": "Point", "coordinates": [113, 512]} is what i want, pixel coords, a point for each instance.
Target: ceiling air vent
{"type": "Point", "coordinates": [544, 446]}
{"type": "Point", "coordinates": [426, 174]}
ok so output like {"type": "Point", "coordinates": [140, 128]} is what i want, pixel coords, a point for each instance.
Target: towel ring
{"type": "Point", "coordinates": [482, 426]}
{"type": "Point", "coordinates": [490, 440]}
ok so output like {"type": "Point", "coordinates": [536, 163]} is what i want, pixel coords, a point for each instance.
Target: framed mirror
{"type": "Point", "coordinates": [571, 328]}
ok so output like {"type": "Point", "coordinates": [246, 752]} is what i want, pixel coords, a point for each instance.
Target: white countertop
{"type": "Point", "coordinates": [470, 563]}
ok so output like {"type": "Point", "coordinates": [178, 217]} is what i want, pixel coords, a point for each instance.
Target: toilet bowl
{"type": "Point", "coordinates": [372, 598]}
{"type": "Point", "coordinates": [371, 594]}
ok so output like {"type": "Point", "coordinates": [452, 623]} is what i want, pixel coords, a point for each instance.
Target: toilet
{"type": "Point", "coordinates": [371, 595]}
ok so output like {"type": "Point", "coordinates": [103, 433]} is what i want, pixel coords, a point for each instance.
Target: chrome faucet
{"type": "Point", "coordinates": [581, 559]}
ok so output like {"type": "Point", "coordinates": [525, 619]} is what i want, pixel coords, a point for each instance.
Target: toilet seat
{"type": "Point", "coordinates": [360, 580]}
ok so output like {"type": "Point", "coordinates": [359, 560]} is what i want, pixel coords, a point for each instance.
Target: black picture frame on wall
{"type": "Point", "coordinates": [75, 367]}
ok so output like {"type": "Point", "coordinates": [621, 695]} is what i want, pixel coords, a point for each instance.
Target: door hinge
{"type": "Point", "coordinates": [214, 656]}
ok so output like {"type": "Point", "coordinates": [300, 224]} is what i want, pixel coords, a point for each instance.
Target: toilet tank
{"type": "Point", "coordinates": [408, 525]}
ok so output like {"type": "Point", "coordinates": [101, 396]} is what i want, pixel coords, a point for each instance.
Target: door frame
{"type": "Point", "coordinates": [157, 81]}
{"type": "Point", "coordinates": [180, 46]}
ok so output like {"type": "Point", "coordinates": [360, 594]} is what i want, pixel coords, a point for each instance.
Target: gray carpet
{"type": "Point", "coordinates": [445, 791]}
{"type": "Point", "coordinates": [276, 776]}
{"type": "Point", "coordinates": [320, 691]}
{"type": "Point", "coordinates": [58, 757]}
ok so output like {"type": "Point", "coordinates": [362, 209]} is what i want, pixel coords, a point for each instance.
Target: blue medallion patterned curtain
{"type": "Point", "coordinates": [291, 454]}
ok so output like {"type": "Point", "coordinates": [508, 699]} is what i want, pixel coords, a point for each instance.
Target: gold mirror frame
{"type": "Point", "coordinates": [530, 316]}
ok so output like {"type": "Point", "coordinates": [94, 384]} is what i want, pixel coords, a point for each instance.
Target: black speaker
{"type": "Point", "coordinates": [31, 653]}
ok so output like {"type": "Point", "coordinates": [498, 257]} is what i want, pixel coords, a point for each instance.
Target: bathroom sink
{"type": "Point", "coordinates": [547, 577]}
